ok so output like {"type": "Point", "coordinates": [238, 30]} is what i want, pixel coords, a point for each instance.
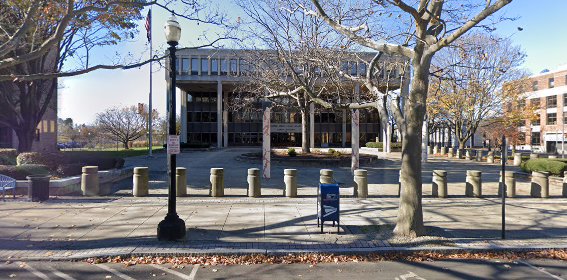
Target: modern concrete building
{"type": "Point", "coordinates": [209, 78]}
{"type": "Point", "coordinates": [548, 92]}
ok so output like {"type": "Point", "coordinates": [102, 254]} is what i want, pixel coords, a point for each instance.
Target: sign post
{"type": "Point", "coordinates": [502, 185]}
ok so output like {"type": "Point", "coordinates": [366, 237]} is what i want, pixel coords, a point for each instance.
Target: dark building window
{"type": "Point", "coordinates": [551, 118]}
{"type": "Point", "coordinates": [214, 66]}
{"type": "Point", "coordinates": [233, 67]}
{"type": "Point", "coordinates": [204, 66]}
{"type": "Point", "coordinates": [565, 117]}
{"type": "Point", "coordinates": [551, 82]}
{"type": "Point", "coordinates": [536, 122]}
{"type": "Point", "coordinates": [362, 69]}
{"type": "Point", "coordinates": [536, 138]}
{"type": "Point", "coordinates": [552, 101]}
{"type": "Point", "coordinates": [194, 66]}
{"type": "Point", "coordinates": [534, 86]}
{"type": "Point", "coordinates": [353, 68]}
{"type": "Point", "coordinates": [535, 102]}
{"type": "Point", "coordinates": [185, 66]}
{"type": "Point", "coordinates": [224, 67]}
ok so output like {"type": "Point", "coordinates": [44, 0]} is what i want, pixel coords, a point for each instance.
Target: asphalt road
{"type": "Point", "coordinates": [452, 269]}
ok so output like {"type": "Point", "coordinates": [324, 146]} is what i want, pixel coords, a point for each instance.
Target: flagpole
{"type": "Point", "coordinates": [150, 101]}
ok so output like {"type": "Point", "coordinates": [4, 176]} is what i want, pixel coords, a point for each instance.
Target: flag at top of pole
{"type": "Point", "coordinates": [149, 25]}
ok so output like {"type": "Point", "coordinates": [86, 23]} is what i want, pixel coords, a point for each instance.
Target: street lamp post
{"type": "Point", "coordinates": [172, 227]}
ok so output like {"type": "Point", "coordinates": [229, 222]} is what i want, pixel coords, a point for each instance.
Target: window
{"type": "Point", "coordinates": [224, 67]}
{"type": "Point", "coordinates": [233, 67]}
{"type": "Point", "coordinates": [551, 101]}
{"type": "Point", "coordinates": [244, 71]}
{"type": "Point", "coordinates": [565, 117]}
{"type": "Point", "coordinates": [536, 122]}
{"type": "Point", "coordinates": [521, 103]}
{"type": "Point", "coordinates": [214, 66]}
{"type": "Point", "coordinates": [535, 102]}
{"type": "Point", "coordinates": [204, 66]}
{"type": "Point", "coordinates": [353, 68]}
{"type": "Point", "coordinates": [184, 65]}
{"type": "Point", "coordinates": [551, 82]}
{"type": "Point", "coordinates": [362, 69]}
{"type": "Point", "coordinates": [536, 138]}
{"type": "Point", "coordinates": [551, 118]}
{"type": "Point", "coordinates": [194, 66]}
{"type": "Point", "coordinates": [534, 86]}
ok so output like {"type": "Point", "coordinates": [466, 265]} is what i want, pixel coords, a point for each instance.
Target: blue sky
{"type": "Point", "coordinates": [81, 97]}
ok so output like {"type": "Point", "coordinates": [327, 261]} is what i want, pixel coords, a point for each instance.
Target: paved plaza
{"type": "Point", "coordinates": [77, 227]}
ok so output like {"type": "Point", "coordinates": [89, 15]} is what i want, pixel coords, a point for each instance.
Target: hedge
{"type": "Point", "coordinates": [379, 145]}
{"type": "Point", "coordinates": [8, 156]}
{"type": "Point", "coordinates": [67, 164]}
{"type": "Point", "coordinates": [19, 172]}
{"type": "Point", "coordinates": [554, 167]}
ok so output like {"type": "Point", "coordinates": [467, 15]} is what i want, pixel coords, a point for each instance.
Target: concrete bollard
{"type": "Point", "coordinates": [564, 191]}
{"type": "Point", "coordinates": [429, 150]}
{"type": "Point", "coordinates": [439, 183]}
{"type": "Point", "coordinates": [473, 183]}
{"type": "Point", "coordinates": [89, 181]}
{"type": "Point", "coordinates": [532, 155]}
{"type": "Point", "coordinates": [217, 182]}
{"type": "Point", "coordinates": [479, 155]}
{"type": "Point", "coordinates": [290, 180]}
{"type": "Point", "coordinates": [468, 154]}
{"type": "Point", "coordinates": [509, 184]}
{"type": "Point", "coordinates": [361, 183]}
{"type": "Point", "coordinates": [450, 152]}
{"type": "Point", "coordinates": [435, 150]}
{"type": "Point", "coordinates": [540, 184]}
{"type": "Point", "coordinates": [181, 181]}
{"type": "Point", "coordinates": [490, 157]}
{"type": "Point", "coordinates": [326, 176]}
{"type": "Point", "coordinates": [254, 185]}
{"type": "Point", "coordinates": [552, 156]}
{"type": "Point", "coordinates": [140, 180]}
{"type": "Point", "coordinates": [517, 159]}
{"type": "Point", "coordinates": [443, 150]}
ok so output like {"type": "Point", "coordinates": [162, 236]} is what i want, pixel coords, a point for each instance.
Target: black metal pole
{"type": "Point", "coordinates": [504, 157]}
{"type": "Point", "coordinates": [172, 227]}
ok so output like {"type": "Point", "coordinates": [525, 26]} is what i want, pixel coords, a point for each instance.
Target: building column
{"type": "Point", "coordinates": [219, 114]}
{"type": "Point", "coordinates": [312, 125]}
{"type": "Point", "coordinates": [225, 120]}
{"type": "Point", "coordinates": [344, 128]}
{"type": "Point", "coordinates": [183, 136]}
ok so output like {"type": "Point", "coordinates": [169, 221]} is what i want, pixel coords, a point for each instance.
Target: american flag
{"type": "Point", "coordinates": [149, 25]}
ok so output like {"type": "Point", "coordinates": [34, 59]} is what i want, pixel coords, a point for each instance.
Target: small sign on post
{"type": "Point", "coordinates": [173, 147]}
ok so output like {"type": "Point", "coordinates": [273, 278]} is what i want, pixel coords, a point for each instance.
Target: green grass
{"type": "Point", "coordinates": [122, 153]}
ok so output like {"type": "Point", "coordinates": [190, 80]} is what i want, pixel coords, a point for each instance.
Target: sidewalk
{"type": "Point", "coordinates": [77, 228]}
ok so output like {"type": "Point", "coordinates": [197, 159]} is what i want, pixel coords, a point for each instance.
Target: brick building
{"type": "Point", "coordinates": [547, 91]}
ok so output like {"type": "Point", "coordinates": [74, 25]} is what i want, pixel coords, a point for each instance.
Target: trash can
{"type": "Point", "coordinates": [328, 205]}
{"type": "Point", "coordinates": [38, 187]}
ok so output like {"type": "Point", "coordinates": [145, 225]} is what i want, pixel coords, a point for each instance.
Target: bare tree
{"type": "Point", "coordinates": [468, 88]}
{"type": "Point", "coordinates": [122, 124]}
{"type": "Point", "coordinates": [416, 31]}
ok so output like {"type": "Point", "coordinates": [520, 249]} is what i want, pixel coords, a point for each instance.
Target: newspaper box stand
{"type": "Point", "coordinates": [328, 204]}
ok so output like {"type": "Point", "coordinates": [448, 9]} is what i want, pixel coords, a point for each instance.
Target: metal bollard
{"type": "Point", "coordinates": [532, 155]}
{"type": "Point", "coordinates": [217, 182]}
{"type": "Point", "coordinates": [490, 157]}
{"type": "Point", "coordinates": [473, 183]}
{"type": "Point", "coordinates": [540, 184]}
{"type": "Point", "coordinates": [254, 185]}
{"type": "Point", "coordinates": [443, 150]}
{"type": "Point", "coordinates": [479, 155]}
{"type": "Point", "coordinates": [326, 176]}
{"type": "Point", "coordinates": [89, 181]}
{"type": "Point", "coordinates": [181, 181]}
{"type": "Point", "coordinates": [361, 183]}
{"type": "Point", "coordinates": [140, 181]}
{"type": "Point", "coordinates": [517, 159]}
{"type": "Point", "coordinates": [509, 184]}
{"type": "Point", "coordinates": [290, 180]}
{"type": "Point", "coordinates": [439, 184]}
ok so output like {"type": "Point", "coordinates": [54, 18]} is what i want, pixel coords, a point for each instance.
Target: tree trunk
{"type": "Point", "coordinates": [410, 213]}
{"type": "Point", "coordinates": [305, 131]}
{"type": "Point", "coordinates": [125, 145]}
{"type": "Point", "coordinates": [25, 139]}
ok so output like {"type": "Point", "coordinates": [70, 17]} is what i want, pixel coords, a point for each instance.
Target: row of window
{"type": "Point", "coordinates": [206, 66]}
{"type": "Point", "coordinates": [550, 83]}
{"type": "Point", "coordinates": [551, 101]}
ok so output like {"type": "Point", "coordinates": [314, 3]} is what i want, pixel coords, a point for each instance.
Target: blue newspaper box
{"type": "Point", "coordinates": [328, 206]}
